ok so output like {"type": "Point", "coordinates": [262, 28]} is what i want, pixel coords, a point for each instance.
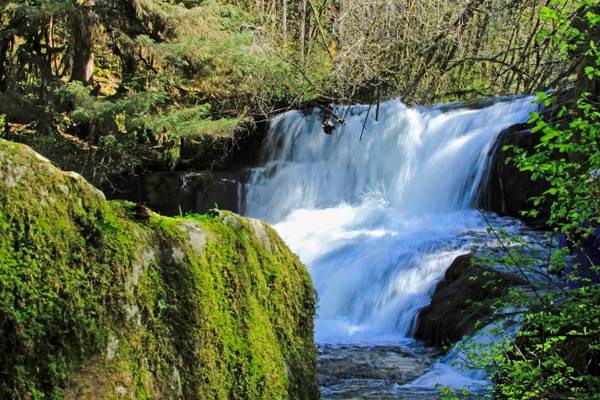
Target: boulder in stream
{"type": "Point", "coordinates": [506, 190]}
{"type": "Point", "coordinates": [462, 301]}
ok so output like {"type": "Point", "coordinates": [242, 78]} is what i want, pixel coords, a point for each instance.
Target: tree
{"type": "Point", "coordinates": [83, 32]}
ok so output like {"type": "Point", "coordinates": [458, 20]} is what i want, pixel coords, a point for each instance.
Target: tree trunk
{"type": "Point", "coordinates": [303, 29]}
{"type": "Point", "coordinates": [6, 45]}
{"type": "Point", "coordinates": [318, 21]}
{"type": "Point", "coordinates": [83, 29]}
{"type": "Point", "coordinates": [284, 18]}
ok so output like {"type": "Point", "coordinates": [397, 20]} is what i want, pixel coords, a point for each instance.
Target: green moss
{"type": "Point", "coordinates": [98, 303]}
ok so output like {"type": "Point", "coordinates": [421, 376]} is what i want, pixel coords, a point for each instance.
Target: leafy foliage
{"type": "Point", "coordinates": [556, 353]}
{"type": "Point", "coordinates": [105, 76]}
{"type": "Point", "coordinates": [157, 74]}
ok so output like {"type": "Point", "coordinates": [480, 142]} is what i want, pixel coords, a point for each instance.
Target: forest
{"type": "Point", "coordinates": [118, 89]}
{"type": "Point", "coordinates": [119, 86]}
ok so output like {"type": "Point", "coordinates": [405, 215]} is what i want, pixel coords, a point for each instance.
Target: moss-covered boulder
{"type": "Point", "coordinates": [106, 299]}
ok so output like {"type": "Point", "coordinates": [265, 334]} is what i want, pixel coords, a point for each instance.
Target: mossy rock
{"type": "Point", "coordinates": [104, 299]}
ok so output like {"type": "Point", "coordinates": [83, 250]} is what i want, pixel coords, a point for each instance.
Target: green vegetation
{"type": "Point", "coordinates": [107, 299]}
{"type": "Point", "coordinates": [98, 298]}
{"type": "Point", "coordinates": [556, 353]}
{"type": "Point", "coordinates": [124, 84]}
{"type": "Point", "coordinates": [112, 87]}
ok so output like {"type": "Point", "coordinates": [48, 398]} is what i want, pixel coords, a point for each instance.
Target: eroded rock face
{"type": "Point", "coordinates": [506, 190]}
{"type": "Point", "coordinates": [99, 300]}
{"type": "Point", "coordinates": [461, 302]}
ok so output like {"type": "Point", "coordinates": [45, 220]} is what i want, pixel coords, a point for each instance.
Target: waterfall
{"type": "Point", "coordinates": [378, 219]}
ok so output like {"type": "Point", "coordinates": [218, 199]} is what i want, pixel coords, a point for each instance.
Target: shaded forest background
{"type": "Point", "coordinates": [113, 87]}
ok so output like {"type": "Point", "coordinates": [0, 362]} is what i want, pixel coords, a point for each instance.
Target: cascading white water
{"type": "Point", "coordinates": [378, 219]}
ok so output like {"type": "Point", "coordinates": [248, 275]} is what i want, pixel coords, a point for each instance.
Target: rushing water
{"type": "Point", "coordinates": [377, 220]}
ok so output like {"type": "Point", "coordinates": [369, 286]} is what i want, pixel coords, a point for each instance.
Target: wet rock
{"type": "Point", "coordinates": [506, 190]}
{"type": "Point", "coordinates": [373, 371]}
{"type": "Point", "coordinates": [462, 301]}
{"type": "Point", "coordinates": [374, 362]}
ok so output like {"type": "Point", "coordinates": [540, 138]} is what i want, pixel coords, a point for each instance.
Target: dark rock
{"type": "Point", "coordinates": [248, 146]}
{"type": "Point", "coordinates": [222, 165]}
{"type": "Point", "coordinates": [462, 299]}
{"type": "Point", "coordinates": [506, 190]}
{"type": "Point", "coordinates": [214, 212]}
{"type": "Point", "coordinates": [171, 193]}
{"type": "Point", "coordinates": [140, 212]}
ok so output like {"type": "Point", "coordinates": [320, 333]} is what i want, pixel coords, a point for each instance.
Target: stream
{"type": "Point", "coordinates": [378, 214]}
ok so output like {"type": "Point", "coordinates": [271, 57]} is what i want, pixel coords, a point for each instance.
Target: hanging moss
{"type": "Point", "coordinates": [106, 299]}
